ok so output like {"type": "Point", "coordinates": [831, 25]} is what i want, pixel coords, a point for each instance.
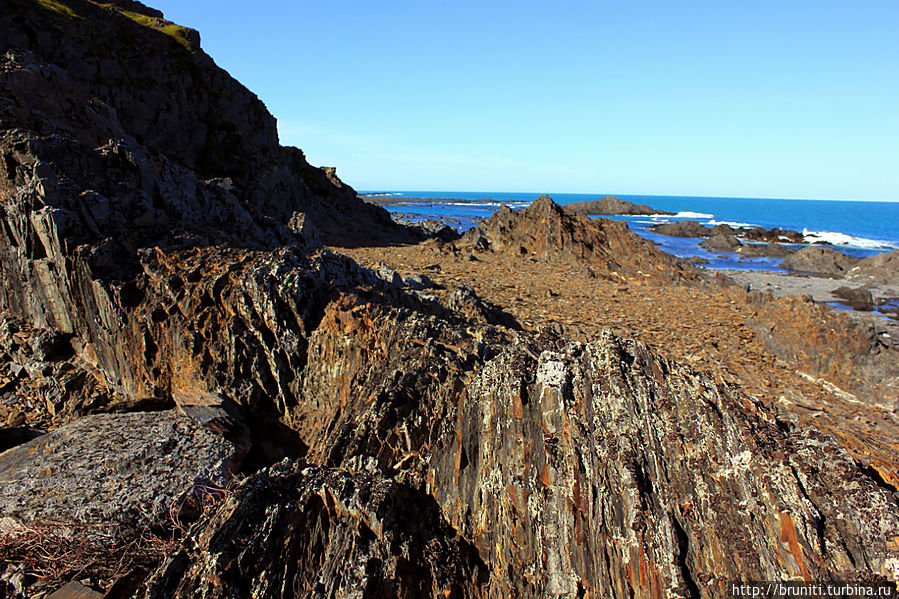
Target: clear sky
{"type": "Point", "coordinates": [780, 98]}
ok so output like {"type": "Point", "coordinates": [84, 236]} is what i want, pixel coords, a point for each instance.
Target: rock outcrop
{"type": "Point", "coordinates": [610, 206]}
{"type": "Point", "coordinates": [544, 230]}
{"type": "Point", "coordinates": [721, 242]}
{"type": "Point", "coordinates": [880, 269]}
{"type": "Point", "coordinates": [156, 238]}
{"type": "Point", "coordinates": [114, 87]}
{"type": "Point", "coordinates": [554, 469]}
{"type": "Point", "coordinates": [820, 261]}
{"type": "Point", "coordinates": [681, 228]}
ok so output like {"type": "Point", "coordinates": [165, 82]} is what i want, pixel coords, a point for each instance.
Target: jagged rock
{"type": "Point", "coordinates": [464, 300]}
{"type": "Point", "coordinates": [595, 469]}
{"type": "Point", "coordinates": [544, 230]}
{"type": "Point", "coordinates": [771, 249]}
{"type": "Point", "coordinates": [772, 235]}
{"type": "Point", "coordinates": [116, 77]}
{"type": "Point", "coordinates": [818, 340]}
{"type": "Point", "coordinates": [819, 261]}
{"type": "Point", "coordinates": [151, 220]}
{"type": "Point", "coordinates": [418, 282]}
{"type": "Point", "coordinates": [610, 205]}
{"type": "Point", "coordinates": [293, 531]}
{"type": "Point", "coordinates": [437, 229]}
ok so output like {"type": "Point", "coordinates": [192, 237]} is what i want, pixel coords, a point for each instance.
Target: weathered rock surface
{"type": "Point", "coordinates": [773, 235]}
{"type": "Point", "coordinates": [857, 298]}
{"type": "Point", "coordinates": [594, 469]}
{"type": "Point", "coordinates": [821, 342]}
{"type": "Point", "coordinates": [721, 242]}
{"type": "Point", "coordinates": [772, 249]}
{"type": "Point", "coordinates": [91, 87]}
{"type": "Point", "coordinates": [112, 471]}
{"type": "Point", "coordinates": [820, 261]}
{"type": "Point", "coordinates": [155, 236]}
{"type": "Point", "coordinates": [682, 228]}
{"type": "Point", "coordinates": [725, 238]}
{"type": "Point", "coordinates": [610, 205]}
{"type": "Point", "coordinates": [882, 268]}
{"type": "Point", "coordinates": [545, 231]}
{"type": "Point", "coordinates": [291, 531]}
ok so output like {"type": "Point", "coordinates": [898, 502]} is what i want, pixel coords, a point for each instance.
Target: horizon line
{"type": "Point", "coordinates": [645, 195]}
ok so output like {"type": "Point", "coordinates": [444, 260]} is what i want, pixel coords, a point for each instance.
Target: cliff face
{"type": "Point", "coordinates": [395, 445]}
{"type": "Point", "coordinates": [98, 72]}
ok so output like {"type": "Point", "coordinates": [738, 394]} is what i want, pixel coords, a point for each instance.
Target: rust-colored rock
{"type": "Point", "coordinates": [403, 439]}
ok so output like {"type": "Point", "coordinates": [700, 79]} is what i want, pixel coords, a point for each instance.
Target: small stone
{"type": "Point", "coordinates": [16, 419]}
{"type": "Point", "coordinates": [75, 590]}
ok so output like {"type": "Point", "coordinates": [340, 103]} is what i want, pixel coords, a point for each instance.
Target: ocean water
{"type": "Point", "coordinates": [858, 228]}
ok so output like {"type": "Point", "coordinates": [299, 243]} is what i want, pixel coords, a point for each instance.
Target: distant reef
{"type": "Point", "coordinates": [611, 206]}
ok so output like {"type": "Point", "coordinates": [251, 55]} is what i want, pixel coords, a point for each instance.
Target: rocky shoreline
{"type": "Point", "coordinates": [225, 375]}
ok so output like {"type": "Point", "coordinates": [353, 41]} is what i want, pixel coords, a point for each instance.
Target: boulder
{"type": "Point", "coordinates": [820, 261]}
{"type": "Point", "coordinates": [681, 228]}
{"type": "Point", "coordinates": [721, 242]}
{"type": "Point", "coordinates": [858, 298]}
{"type": "Point", "coordinates": [771, 249]}
{"type": "Point", "coordinates": [880, 269]}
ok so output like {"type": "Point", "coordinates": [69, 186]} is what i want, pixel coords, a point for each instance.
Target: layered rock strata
{"type": "Point", "coordinates": [398, 442]}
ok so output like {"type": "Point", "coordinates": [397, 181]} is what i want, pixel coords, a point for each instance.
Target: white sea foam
{"type": "Point", "coordinates": [730, 223]}
{"type": "Point", "coordinates": [692, 215]}
{"type": "Point", "coordinates": [475, 203]}
{"type": "Point", "coordinates": [835, 238]}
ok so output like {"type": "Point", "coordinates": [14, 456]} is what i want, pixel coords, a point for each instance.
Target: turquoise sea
{"type": "Point", "coordinates": [856, 227]}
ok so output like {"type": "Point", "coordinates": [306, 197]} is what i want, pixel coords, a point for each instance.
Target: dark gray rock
{"type": "Point", "coordinates": [857, 298]}
{"type": "Point", "coordinates": [771, 249]}
{"type": "Point", "coordinates": [820, 261]}
{"type": "Point", "coordinates": [683, 228]}
{"type": "Point", "coordinates": [610, 205]}
{"type": "Point", "coordinates": [558, 468]}
{"type": "Point", "coordinates": [721, 242]}
{"type": "Point", "coordinates": [112, 471]}
{"type": "Point", "coordinates": [321, 532]}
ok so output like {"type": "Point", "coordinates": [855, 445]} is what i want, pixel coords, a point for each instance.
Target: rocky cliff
{"type": "Point", "coordinates": [157, 242]}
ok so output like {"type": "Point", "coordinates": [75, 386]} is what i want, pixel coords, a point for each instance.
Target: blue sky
{"type": "Point", "coordinates": [771, 99]}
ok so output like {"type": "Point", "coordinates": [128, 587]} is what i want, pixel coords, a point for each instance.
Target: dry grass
{"type": "Point", "coordinates": [59, 551]}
